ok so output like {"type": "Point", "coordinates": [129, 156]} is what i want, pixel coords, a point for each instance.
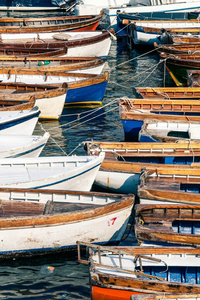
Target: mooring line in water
{"type": "Point", "coordinates": [90, 113]}
{"type": "Point", "coordinates": [40, 124]}
{"type": "Point", "coordinates": [137, 57]}
{"type": "Point", "coordinates": [114, 108]}
{"type": "Point", "coordinates": [155, 66]}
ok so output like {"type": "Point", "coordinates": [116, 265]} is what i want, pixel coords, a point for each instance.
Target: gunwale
{"type": "Point", "coordinates": [59, 64]}
{"type": "Point", "coordinates": [113, 150]}
{"type": "Point", "coordinates": [11, 53]}
{"type": "Point", "coordinates": [168, 92]}
{"type": "Point", "coordinates": [13, 105]}
{"type": "Point", "coordinates": [179, 49]}
{"type": "Point", "coordinates": [84, 23]}
{"type": "Point", "coordinates": [67, 217]}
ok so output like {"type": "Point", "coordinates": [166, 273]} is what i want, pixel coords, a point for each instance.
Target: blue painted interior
{"type": "Point", "coordinates": [175, 274]}
{"type": "Point", "coordinates": [188, 227]}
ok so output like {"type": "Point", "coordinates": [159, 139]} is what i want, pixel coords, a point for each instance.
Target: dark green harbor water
{"type": "Point", "coordinates": [28, 278]}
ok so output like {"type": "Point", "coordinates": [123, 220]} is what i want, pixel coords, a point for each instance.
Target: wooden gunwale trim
{"type": "Point", "coordinates": [164, 195]}
{"type": "Point", "coordinates": [118, 166]}
{"type": "Point", "coordinates": [142, 208]}
{"type": "Point", "coordinates": [31, 54]}
{"type": "Point", "coordinates": [23, 106]}
{"type": "Point", "coordinates": [52, 27]}
{"type": "Point", "coordinates": [17, 19]}
{"type": "Point", "coordinates": [185, 145]}
{"type": "Point", "coordinates": [87, 82]}
{"type": "Point", "coordinates": [38, 95]}
{"type": "Point", "coordinates": [87, 214]}
{"type": "Point", "coordinates": [28, 87]}
{"type": "Point", "coordinates": [143, 116]}
{"type": "Point", "coordinates": [146, 233]}
{"type": "Point", "coordinates": [147, 101]}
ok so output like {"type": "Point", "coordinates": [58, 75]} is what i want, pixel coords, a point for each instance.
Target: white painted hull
{"type": "Point", "coordinates": [54, 237]}
{"type": "Point", "coordinates": [97, 70]}
{"type": "Point", "coordinates": [22, 145]}
{"type": "Point", "coordinates": [100, 48]}
{"type": "Point", "coordinates": [111, 13]}
{"type": "Point", "coordinates": [18, 122]}
{"type": "Point", "coordinates": [120, 182]}
{"type": "Point", "coordinates": [38, 79]}
{"type": "Point", "coordinates": [51, 108]}
{"type": "Point", "coordinates": [143, 38]}
{"type": "Point", "coordinates": [150, 201]}
{"type": "Point", "coordinates": [29, 8]}
{"type": "Point", "coordinates": [61, 173]}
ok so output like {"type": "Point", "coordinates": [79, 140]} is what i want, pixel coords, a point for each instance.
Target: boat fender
{"type": "Point", "coordinates": [61, 36]}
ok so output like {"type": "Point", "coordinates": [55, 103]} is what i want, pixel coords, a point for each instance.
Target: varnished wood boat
{"type": "Point", "coordinates": [179, 49]}
{"type": "Point", "coordinates": [167, 224]}
{"type": "Point", "coordinates": [168, 92]}
{"type": "Point", "coordinates": [186, 39]}
{"type": "Point", "coordinates": [50, 24]}
{"type": "Point", "coordinates": [91, 65]}
{"type": "Point", "coordinates": [170, 186]}
{"type": "Point", "coordinates": [36, 223]}
{"type": "Point", "coordinates": [83, 89]}
{"type": "Point", "coordinates": [169, 131]}
{"type": "Point", "coordinates": [49, 99]}
{"type": "Point", "coordinates": [50, 172]}
{"type": "Point", "coordinates": [178, 65]}
{"type": "Point", "coordinates": [133, 112]}
{"type": "Point", "coordinates": [119, 272]}
{"type": "Point", "coordinates": [85, 43]}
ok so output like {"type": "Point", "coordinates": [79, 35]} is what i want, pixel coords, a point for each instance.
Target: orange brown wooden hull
{"type": "Point", "coordinates": [99, 293]}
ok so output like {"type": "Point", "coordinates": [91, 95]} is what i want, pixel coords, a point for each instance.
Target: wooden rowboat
{"type": "Point", "coordinates": [85, 43]}
{"type": "Point", "coordinates": [121, 169]}
{"type": "Point", "coordinates": [49, 99]}
{"type": "Point", "coordinates": [167, 224]}
{"type": "Point", "coordinates": [22, 145]}
{"type": "Point", "coordinates": [90, 65]}
{"type": "Point", "coordinates": [123, 176]}
{"type": "Point", "coordinates": [133, 112]}
{"type": "Point", "coordinates": [83, 89]}
{"type": "Point", "coordinates": [50, 24]}
{"type": "Point", "coordinates": [97, 217]}
{"type": "Point", "coordinates": [52, 172]}
{"type": "Point", "coordinates": [178, 66]}
{"type": "Point", "coordinates": [179, 49]}
{"type": "Point", "coordinates": [168, 92]}
{"type": "Point", "coordinates": [169, 131]}
{"type": "Point", "coordinates": [19, 121]}
{"type": "Point", "coordinates": [170, 186]}
{"type": "Point", "coordinates": [120, 272]}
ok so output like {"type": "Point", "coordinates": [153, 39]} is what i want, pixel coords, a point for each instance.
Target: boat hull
{"type": "Point", "coordinates": [22, 146]}
{"type": "Point", "coordinates": [23, 122]}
